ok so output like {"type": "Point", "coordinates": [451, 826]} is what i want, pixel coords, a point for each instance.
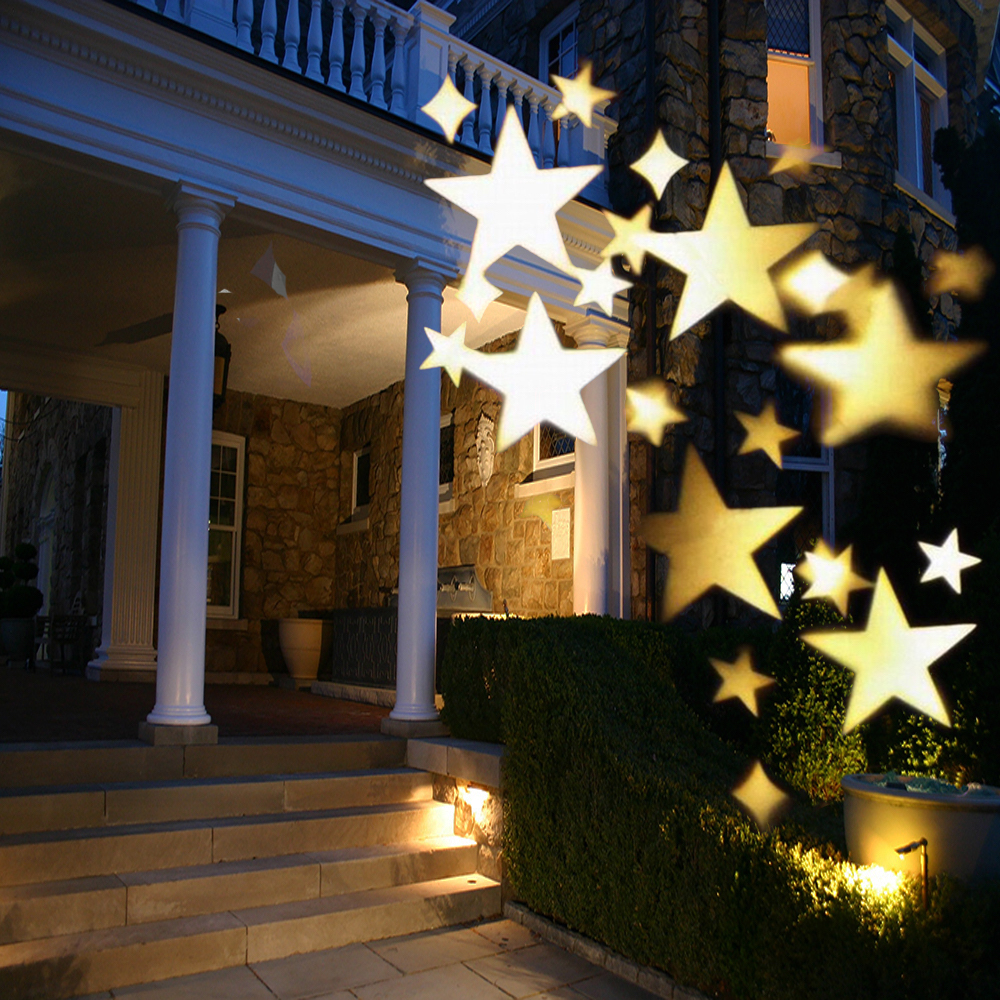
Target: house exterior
{"type": "Point", "coordinates": [289, 143]}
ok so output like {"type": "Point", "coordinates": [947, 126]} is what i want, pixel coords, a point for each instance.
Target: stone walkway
{"type": "Point", "coordinates": [490, 961]}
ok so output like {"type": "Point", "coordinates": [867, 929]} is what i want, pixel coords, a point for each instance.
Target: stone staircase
{"type": "Point", "coordinates": [175, 860]}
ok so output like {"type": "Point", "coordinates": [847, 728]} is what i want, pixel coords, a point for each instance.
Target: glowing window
{"type": "Point", "coordinates": [794, 78]}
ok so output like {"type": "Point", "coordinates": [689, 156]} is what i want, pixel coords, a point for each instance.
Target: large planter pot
{"type": "Point", "coordinates": [962, 830]}
{"type": "Point", "coordinates": [17, 636]}
{"type": "Point", "coordinates": [305, 644]}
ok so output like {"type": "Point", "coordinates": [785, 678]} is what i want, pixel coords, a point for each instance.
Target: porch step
{"type": "Point", "coordinates": [38, 910]}
{"type": "Point", "coordinates": [50, 856]}
{"type": "Point", "coordinates": [28, 810]}
{"type": "Point", "coordinates": [68, 965]}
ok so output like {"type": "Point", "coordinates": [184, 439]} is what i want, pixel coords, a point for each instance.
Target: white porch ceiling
{"type": "Point", "coordinates": [83, 256]}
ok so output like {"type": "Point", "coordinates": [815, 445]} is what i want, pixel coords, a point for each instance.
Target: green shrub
{"type": "Point", "coordinates": [18, 599]}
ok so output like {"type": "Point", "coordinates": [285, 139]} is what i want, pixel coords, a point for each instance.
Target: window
{"type": "Point", "coordinates": [794, 74]}
{"type": "Point", "coordinates": [46, 539]}
{"type": "Point", "coordinates": [225, 525]}
{"type": "Point", "coordinates": [919, 85]}
{"type": "Point", "coordinates": [361, 491]}
{"type": "Point", "coordinates": [446, 466]}
{"type": "Point", "coordinates": [557, 46]}
{"type": "Point", "coordinates": [554, 451]}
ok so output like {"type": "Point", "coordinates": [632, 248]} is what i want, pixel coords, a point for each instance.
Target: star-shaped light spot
{"type": "Point", "coordinates": [600, 285]}
{"type": "Point", "coordinates": [649, 409]}
{"type": "Point", "coordinates": [540, 380]}
{"type": "Point", "coordinates": [964, 274]}
{"type": "Point", "coordinates": [881, 376]}
{"type": "Point", "coordinates": [740, 680]}
{"type": "Point", "coordinates": [727, 260]}
{"type": "Point", "coordinates": [659, 164]}
{"type": "Point", "coordinates": [448, 108]}
{"type": "Point", "coordinates": [809, 282]}
{"type": "Point", "coordinates": [759, 796]}
{"type": "Point", "coordinates": [626, 238]}
{"type": "Point", "coordinates": [711, 545]}
{"type": "Point", "coordinates": [448, 353]}
{"type": "Point", "coordinates": [797, 159]}
{"type": "Point", "coordinates": [515, 205]}
{"type": "Point", "coordinates": [889, 658]}
{"type": "Point", "coordinates": [542, 506]}
{"type": "Point", "coordinates": [946, 562]}
{"type": "Point", "coordinates": [579, 95]}
{"type": "Point", "coordinates": [830, 576]}
{"type": "Point", "coordinates": [764, 433]}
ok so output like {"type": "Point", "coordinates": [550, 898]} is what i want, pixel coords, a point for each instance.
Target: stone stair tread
{"type": "Point", "coordinates": [62, 887]}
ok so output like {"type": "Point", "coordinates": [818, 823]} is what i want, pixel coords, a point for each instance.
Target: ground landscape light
{"type": "Point", "coordinates": [922, 845]}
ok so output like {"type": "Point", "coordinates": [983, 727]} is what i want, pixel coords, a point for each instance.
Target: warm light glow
{"type": "Point", "coordinates": [659, 164]}
{"type": "Point", "coordinates": [579, 95]}
{"type": "Point", "coordinates": [448, 108]}
{"type": "Point", "coordinates": [649, 410]}
{"type": "Point", "coordinates": [740, 680]}
{"type": "Point", "coordinates": [764, 433]}
{"type": "Point", "coordinates": [963, 274]}
{"type": "Point", "coordinates": [874, 880]}
{"type": "Point", "coordinates": [759, 796]}
{"type": "Point", "coordinates": [830, 576]}
{"type": "Point", "coordinates": [476, 799]}
{"type": "Point", "coordinates": [809, 281]}
{"type": "Point", "coordinates": [788, 101]}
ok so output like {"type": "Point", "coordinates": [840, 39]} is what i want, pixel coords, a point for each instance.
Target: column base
{"type": "Point", "coordinates": [413, 729]}
{"type": "Point", "coordinates": [123, 663]}
{"type": "Point", "coordinates": [172, 736]}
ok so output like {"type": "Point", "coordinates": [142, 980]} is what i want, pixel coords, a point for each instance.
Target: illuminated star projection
{"type": "Point", "coordinates": [515, 205]}
{"type": "Point", "coordinates": [649, 410]}
{"type": "Point", "coordinates": [797, 159]}
{"type": "Point", "coordinates": [579, 95]}
{"type": "Point", "coordinates": [946, 562]}
{"type": "Point", "coordinates": [448, 108]}
{"type": "Point", "coordinates": [740, 680]}
{"type": "Point", "coordinates": [727, 260]}
{"type": "Point", "coordinates": [759, 796]}
{"type": "Point", "coordinates": [881, 377]}
{"type": "Point", "coordinates": [625, 242]}
{"type": "Point", "coordinates": [540, 380]}
{"type": "Point", "coordinates": [709, 544]}
{"type": "Point", "coordinates": [541, 506]}
{"type": "Point", "coordinates": [600, 286]}
{"type": "Point", "coordinates": [830, 576]}
{"type": "Point", "coordinates": [963, 274]}
{"type": "Point", "coordinates": [889, 658]}
{"type": "Point", "coordinates": [764, 433]}
{"type": "Point", "coordinates": [659, 164]}
{"type": "Point", "coordinates": [809, 282]}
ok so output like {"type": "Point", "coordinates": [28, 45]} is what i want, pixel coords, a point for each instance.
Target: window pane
{"type": "Point", "coordinates": [216, 456]}
{"type": "Point", "coordinates": [229, 460]}
{"type": "Point", "coordinates": [213, 489]}
{"type": "Point", "coordinates": [796, 408]}
{"type": "Point", "coordinates": [447, 468]}
{"type": "Point", "coordinates": [213, 512]}
{"type": "Point", "coordinates": [554, 443]}
{"type": "Point", "coordinates": [220, 568]}
{"type": "Point", "coordinates": [788, 26]}
{"type": "Point", "coordinates": [362, 491]}
{"type": "Point", "coordinates": [227, 512]}
{"type": "Point", "coordinates": [926, 145]}
{"type": "Point", "coordinates": [788, 102]}
{"type": "Point", "coordinates": [227, 486]}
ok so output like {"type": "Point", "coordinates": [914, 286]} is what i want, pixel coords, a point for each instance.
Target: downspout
{"type": "Point", "coordinates": [650, 308]}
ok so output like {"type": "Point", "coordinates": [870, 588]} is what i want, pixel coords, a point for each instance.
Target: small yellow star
{"type": "Point", "coordinates": [727, 260]}
{"type": "Point", "coordinates": [579, 95]}
{"type": "Point", "coordinates": [963, 274]}
{"type": "Point", "coordinates": [448, 108]}
{"type": "Point", "coordinates": [709, 544]}
{"type": "Point", "coordinates": [448, 353]}
{"type": "Point", "coordinates": [541, 506]}
{"type": "Point", "coordinates": [740, 680]}
{"type": "Point", "coordinates": [946, 562]}
{"type": "Point", "coordinates": [649, 409]}
{"type": "Point", "coordinates": [830, 576]}
{"type": "Point", "coordinates": [759, 796]}
{"type": "Point", "coordinates": [889, 658]}
{"type": "Point", "coordinates": [881, 375]}
{"type": "Point", "coordinates": [764, 433]}
{"type": "Point", "coordinates": [599, 287]}
{"type": "Point", "coordinates": [627, 232]}
{"type": "Point", "coordinates": [797, 159]}
{"type": "Point", "coordinates": [809, 282]}
{"type": "Point", "coordinates": [659, 164]}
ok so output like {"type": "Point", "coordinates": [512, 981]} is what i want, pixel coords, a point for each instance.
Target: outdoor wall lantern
{"type": "Point", "coordinates": [223, 355]}
{"type": "Point", "coordinates": [922, 844]}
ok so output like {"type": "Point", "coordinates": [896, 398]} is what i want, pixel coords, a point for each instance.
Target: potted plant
{"type": "Point", "coordinates": [19, 602]}
{"type": "Point", "coordinates": [305, 644]}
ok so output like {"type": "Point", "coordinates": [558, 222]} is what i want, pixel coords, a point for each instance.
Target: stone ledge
{"type": "Point", "coordinates": [172, 736]}
{"type": "Point", "coordinates": [466, 760]}
{"type": "Point", "coordinates": [598, 954]}
{"type": "Point", "coordinates": [413, 729]}
{"type": "Point", "coordinates": [366, 695]}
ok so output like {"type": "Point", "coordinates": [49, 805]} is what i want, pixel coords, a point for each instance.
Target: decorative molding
{"type": "Point", "coordinates": [479, 17]}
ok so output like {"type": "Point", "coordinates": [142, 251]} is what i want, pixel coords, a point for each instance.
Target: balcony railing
{"type": "Point", "coordinates": [395, 60]}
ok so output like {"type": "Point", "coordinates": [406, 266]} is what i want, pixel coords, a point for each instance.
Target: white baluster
{"type": "Point", "coordinates": [534, 128]}
{"type": "Point", "coordinates": [398, 105]}
{"type": "Point", "coordinates": [172, 9]}
{"type": "Point", "coordinates": [292, 37]}
{"type": "Point", "coordinates": [268, 29]}
{"type": "Point", "coordinates": [565, 124]}
{"type": "Point", "coordinates": [502, 85]}
{"type": "Point", "coordinates": [314, 43]}
{"type": "Point", "coordinates": [485, 109]}
{"type": "Point", "coordinates": [377, 96]}
{"type": "Point", "coordinates": [336, 77]}
{"type": "Point", "coordinates": [244, 22]}
{"type": "Point", "coordinates": [358, 53]}
{"type": "Point", "coordinates": [468, 137]}
{"type": "Point", "coordinates": [548, 137]}
{"type": "Point", "coordinates": [518, 90]}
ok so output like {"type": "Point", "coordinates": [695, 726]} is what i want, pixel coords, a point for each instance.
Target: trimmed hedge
{"type": "Point", "coordinates": [619, 824]}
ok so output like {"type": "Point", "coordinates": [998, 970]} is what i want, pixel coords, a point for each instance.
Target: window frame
{"type": "Point", "coordinates": [549, 466]}
{"type": "Point", "coordinates": [238, 442]}
{"type": "Point", "coordinates": [446, 490]}
{"type": "Point", "coordinates": [570, 13]}
{"type": "Point", "coordinates": [359, 512]}
{"type": "Point", "coordinates": [814, 62]}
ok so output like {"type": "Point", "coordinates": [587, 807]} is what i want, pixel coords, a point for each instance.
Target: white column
{"type": "Point", "coordinates": [619, 535]}
{"type": "Point", "coordinates": [180, 680]}
{"type": "Point", "coordinates": [418, 531]}
{"type": "Point", "coordinates": [126, 651]}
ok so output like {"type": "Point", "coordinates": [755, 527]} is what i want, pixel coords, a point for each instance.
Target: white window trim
{"type": "Point", "coordinates": [239, 443]}
{"type": "Point", "coordinates": [563, 463]}
{"type": "Point", "coordinates": [359, 512]}
{"type": "Point", "coordinates": [814, 61]}
{"type": "Point", "coordinates": [571, 13]}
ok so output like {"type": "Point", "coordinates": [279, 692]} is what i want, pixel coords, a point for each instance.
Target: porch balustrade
{"type": "Point", "coordinates": [395, 60]}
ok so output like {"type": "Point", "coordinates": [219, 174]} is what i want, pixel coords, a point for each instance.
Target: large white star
{"type": "Point", "coordinates": [946, 562]}
{"type": "Point", "coordinates": [515, 205]}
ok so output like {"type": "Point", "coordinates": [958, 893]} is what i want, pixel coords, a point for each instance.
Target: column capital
{"type": "Point", "coordinates": [424, 276]}
{"type": "Point", "coordinates": [189, 200]}
{"type": "Point", "coordinates": [594, 329]}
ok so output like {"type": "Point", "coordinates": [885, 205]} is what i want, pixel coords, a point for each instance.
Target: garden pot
{"type": "Point", "coordinates": [17, 636]}
{"type": "Point", "coordinates": [962, 830]}
{"type": "Point", "coordinates": [305, 644]}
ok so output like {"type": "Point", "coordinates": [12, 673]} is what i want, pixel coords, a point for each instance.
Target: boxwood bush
{"type": "Point", "coordinates": [619, 824]}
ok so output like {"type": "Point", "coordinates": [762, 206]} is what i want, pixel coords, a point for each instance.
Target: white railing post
{"type": "Point", "coordinates": [377, 96]}
{"type": "Point", "coordinates": [427, 47]}
{"type": "Point", "coordinates": [358, 53]}
{"type": "Point", "coordinates": [548, 137]}
{"type": "Point", "coordinates": [336, 75]}
{"type": "Point", "coordinates": [268, 29]}
{"type": "Point", "coordinates": [244, 23]}
{"type": "Point", "coordinates": [502, 85]}
{"type": "Point", "coordinates": [314, 43]}
{"type": "Point", "coordinates": [398, 104]}
{"type": "Point", "coordinates": [518, 90]}
{"type": "Point", "coordinates": [534, 127]}
{"type": "Point", "coordinates": [172, 9]}
{"type": "Point", "coordinates": [213, 17]}
{"type": "Point", "coordinates": [565, 124]}
{"type": "Point", "coordinates": [468, 137]}
{"type": "Point", "coordinates": [292, 36]}
{"type": "Point", "coordinates": [485, 109]}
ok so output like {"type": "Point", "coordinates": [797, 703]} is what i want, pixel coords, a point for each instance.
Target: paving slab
{"type": "Point", "coordinates": [607, 986]}
{"type": "Point", "coordinates": [227, 984]}
{"type": "Point", "coordinates": [508, 934]}
{"type": "Point", "coordinates": [419, 952]}
{"type": "Point", "coordinates": [319, 972]}
{"type": "Point", "coordinates": [451, 982]}
{"type": "Point", "coordinates": [527, 971]}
